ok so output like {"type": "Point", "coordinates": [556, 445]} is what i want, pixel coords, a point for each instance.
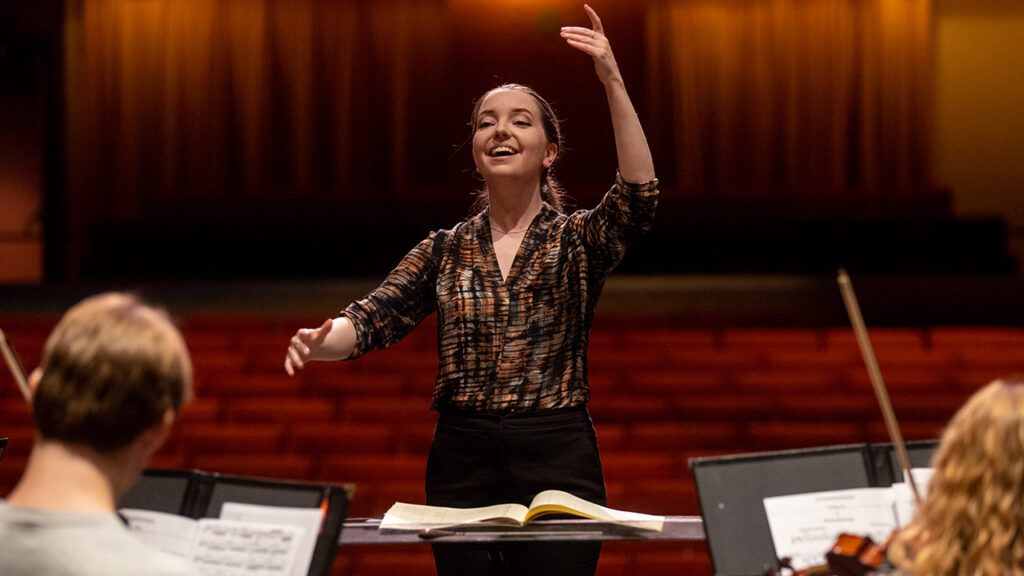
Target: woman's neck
{"type": "Point", "coordinates": [513, 208]}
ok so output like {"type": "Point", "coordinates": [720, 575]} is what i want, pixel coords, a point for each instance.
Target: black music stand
{"type": "Point", "coordinates": [887, 464]}
{"type": "Point", "coordinates": [731, 492]}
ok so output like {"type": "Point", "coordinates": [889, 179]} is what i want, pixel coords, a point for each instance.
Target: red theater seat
{"type": "Point", "coordinates": [279, 466]}
{"type": "Point", "coordinates": [727, 406]}
{"type": "Point", "coordinates": [662, 496]}
{"type": "Point", "coordinates": [216, 438]}
{"type": "Point", "coordinates": [283, 410]}
{"type": "Point", "coordinates": [374, 468]}
{"type": "Point", "coordinates": [200, 410]}
{"type": "Point", "coordinates": [14, 412]}
{"type": "Point", "coordinates": [785, 380]}
{"type": "Point", "coordinates": [389, 409]}
{"type": "Point", "coordinates": [323, 380]}
{"type": "Point", "coordinates": [340, 438]}
{"type": "Point", "coordinates": [675, 436]}
{"type": "Point", "coordinates": [627, 408]}
{"type": "Point", "coordinates": [11, 469]}
{"type": "Point", "coordinates": [629, 466]}
{"type": "Point", "coordinates": [830, 406]}
{"type": "Point", "coordinates": [19, 440]}
{"type": "Point", "coordinates": [761, 338]}
{"type": "Point", "coordinates": [788, 435]}
{"type": "Point", "coordinates": [239, 384]}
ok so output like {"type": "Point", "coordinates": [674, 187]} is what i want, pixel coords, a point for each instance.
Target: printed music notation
{"type": "Point", "coordinates": [247, 540]}
{"type": "Point", "coordinates": [804, 526]}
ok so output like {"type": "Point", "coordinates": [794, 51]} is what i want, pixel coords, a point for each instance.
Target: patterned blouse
{"type": "Point", "coordinates": [518, 344]}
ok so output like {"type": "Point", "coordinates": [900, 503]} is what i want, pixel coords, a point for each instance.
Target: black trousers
{"type": "Point", "coordinates": [483, 459]}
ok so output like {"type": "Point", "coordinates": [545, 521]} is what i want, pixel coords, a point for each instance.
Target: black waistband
{"type": "Point", "coordinates": [452, 412]}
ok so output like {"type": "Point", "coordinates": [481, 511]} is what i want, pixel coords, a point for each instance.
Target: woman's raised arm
{"type": "Point", "coordinates": [634, 155]}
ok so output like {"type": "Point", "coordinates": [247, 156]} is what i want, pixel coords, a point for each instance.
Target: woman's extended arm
{"type": "Point", "coordinates": [635, 162]}
{"type": "Point", "coordinates": [383, 317]}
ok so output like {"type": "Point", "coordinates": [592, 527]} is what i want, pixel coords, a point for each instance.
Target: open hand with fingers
{"type": "Point", "coordinates": [593, 42]}
{"type": "Point", "coordinates": [303, 346]}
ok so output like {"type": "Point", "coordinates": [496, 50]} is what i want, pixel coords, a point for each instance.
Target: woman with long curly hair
{"type": "Point", "coordinates": [971, 520]}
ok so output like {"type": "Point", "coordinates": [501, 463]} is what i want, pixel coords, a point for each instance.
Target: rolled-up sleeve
{"type": "Point", "coordinates": [625, 212]}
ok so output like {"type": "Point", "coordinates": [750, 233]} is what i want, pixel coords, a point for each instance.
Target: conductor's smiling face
{"type": "Point", "coordinates": [509, 138]}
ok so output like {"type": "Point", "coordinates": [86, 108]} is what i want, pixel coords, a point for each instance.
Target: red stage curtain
{"type": "Point", "coordinates": [244, 99]}
{"type": "Point", "coordinates": [765, 97]}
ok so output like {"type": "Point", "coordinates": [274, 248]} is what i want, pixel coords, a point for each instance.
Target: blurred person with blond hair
{"type": "Point", "coordinates": [971, 521]}
{"type": "Point", "coordinates": [114, 374]}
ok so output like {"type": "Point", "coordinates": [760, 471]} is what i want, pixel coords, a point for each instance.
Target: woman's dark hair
{"type": "Point", "coordinates": [551, 190]}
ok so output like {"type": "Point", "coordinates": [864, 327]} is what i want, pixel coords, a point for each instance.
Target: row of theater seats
{"type": "Point", "coordinates": [661, 394]}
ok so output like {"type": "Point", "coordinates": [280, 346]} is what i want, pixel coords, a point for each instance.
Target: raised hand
{"type": "Point", "coordinates": [635, 162]}
{"type": "Point", "coordinates": [593, 42]}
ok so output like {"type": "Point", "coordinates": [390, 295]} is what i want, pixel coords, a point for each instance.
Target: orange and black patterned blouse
{"type": "Point", "coordinates": [518, 344]}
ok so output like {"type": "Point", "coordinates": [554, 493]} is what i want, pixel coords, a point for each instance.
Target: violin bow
{"type": "Point", "coordinates": [881, 393]}
{"type": "Point", "coordinates": [17, 370]}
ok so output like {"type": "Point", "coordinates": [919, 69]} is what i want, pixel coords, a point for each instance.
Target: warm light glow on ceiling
{"type": "Point", "coordinates": [520, 3]}
{"type": "Point", "coordinates": [488, 8]}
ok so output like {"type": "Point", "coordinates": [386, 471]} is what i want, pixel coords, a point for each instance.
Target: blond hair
{"type": "Point", "coordinates": [970, 522]}
{"type": "Point", "coordinates": [111, 369]}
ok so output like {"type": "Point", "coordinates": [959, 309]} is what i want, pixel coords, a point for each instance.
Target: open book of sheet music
{"type": "Point", "coordinates": [804, 526]}
{"type": "Point", "coordinates": [402, 516]}
{"type": "Point", "coordinates": [247, 540]}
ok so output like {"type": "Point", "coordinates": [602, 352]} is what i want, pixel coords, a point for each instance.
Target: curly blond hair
{"type": "Point", "coordinates": [971, 520]}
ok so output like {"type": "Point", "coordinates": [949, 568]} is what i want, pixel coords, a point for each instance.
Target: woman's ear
{"type": "Point", "coordinates": [550, 154]}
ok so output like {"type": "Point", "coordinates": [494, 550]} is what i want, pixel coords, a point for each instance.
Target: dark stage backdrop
{"type": "Point", "coordinates": [326, 137]}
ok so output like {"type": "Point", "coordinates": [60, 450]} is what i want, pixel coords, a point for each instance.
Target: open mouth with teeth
{"type": "Point", "coordinates": [501, 151]}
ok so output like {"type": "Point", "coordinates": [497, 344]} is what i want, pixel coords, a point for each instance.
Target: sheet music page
{"type": "Point", "coordinates": [228, 548]}
{"type": "Point", "coordinates": [906, 504]}
{"type": "Point", "coordinates": [169, 533]}
{"type": "Point", "coordinates": [403, 516]}
{"type": "Point", "coordinates": [308, 520]}
{"type": "Point", "coordinates": [557, 501]}
{"type": "Point", "coordinates": [805, 526]}
{"type": "Point", "coordinates": [218, 547]}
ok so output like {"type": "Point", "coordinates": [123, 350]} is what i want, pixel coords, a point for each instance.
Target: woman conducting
{"type": "Point", "coordinates": [515, 286]}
